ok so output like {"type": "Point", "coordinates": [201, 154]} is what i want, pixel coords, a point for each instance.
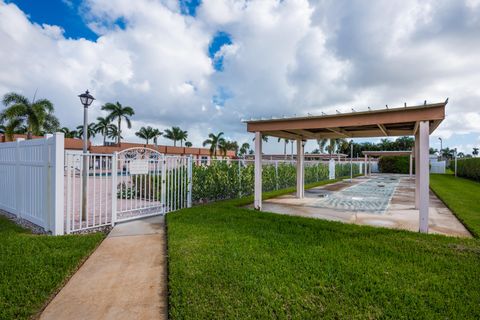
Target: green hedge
{"type": "Point", "coordinates": [394, 164]}
{"type": "Point", "coordinates": [467, 168]}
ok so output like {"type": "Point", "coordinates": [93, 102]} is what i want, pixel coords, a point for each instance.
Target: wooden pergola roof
{"type": "Point", "coordinates": [387, 153]}
{"type": "Point", "coordinates": [402, 121]}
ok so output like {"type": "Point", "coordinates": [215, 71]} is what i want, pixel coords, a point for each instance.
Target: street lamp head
{"type": "Point", "coordinates": [86, 99]}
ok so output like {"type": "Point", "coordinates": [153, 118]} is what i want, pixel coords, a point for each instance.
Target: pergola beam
{"type": "Point", "coordinates": [339, 131]}
{"type": "Point", "coordinates": [383, 129]}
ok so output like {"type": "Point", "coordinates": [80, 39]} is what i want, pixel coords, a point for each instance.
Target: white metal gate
{"type": "Point", "coordinates": [131, 184]}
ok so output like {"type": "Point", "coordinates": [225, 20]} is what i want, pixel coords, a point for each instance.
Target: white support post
{"type": "Point", "coordinates": [455, 162]}
{"type": "Point", "coordinates": [366, 165]}
{"type": "Point", "coordinates": [411, 165]}
{"type": "Point", "coordinates": [417, 169]}
{"type": "Point", "coordinates": [57, 180]}
{"type": "Point", "coordinates": [331, 169]}
{"type": "Point", "coordinates": [258, 171]}
{"type": "Point", "coordinates": [424, 175]}
{"type": "Point", "coordinates": [114, 187]}
{"type": "Point", "coordinates": [189, 172]}
{"type": "Point", "coordinates": [300, 171]}
{"type": "Point", "coordinates": [163, 186]}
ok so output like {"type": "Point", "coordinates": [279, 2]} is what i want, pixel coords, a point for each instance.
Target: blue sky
{"type": "Point", "coordinates": [206, 65]}
{"type": "Point", "coordinates": [63, 13]}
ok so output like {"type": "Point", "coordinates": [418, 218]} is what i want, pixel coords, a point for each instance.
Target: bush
{"type": "Point", "coordinates": [394, 164]}
{"type": "Point", "coordinates": [467, 168]}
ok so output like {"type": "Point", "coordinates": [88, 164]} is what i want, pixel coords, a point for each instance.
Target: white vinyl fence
{"type": "Point", "coordinates": [31, 184]}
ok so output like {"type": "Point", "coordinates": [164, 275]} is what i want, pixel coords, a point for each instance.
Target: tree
{"type": "Point", "coordinates": [146, 133]}
{"type": "Point", "coordinates": [102, 126]}
{"type": "Point", "coordinates": [332, 145]}
{"type": "Point", "coordinates": [231, 145]}
{"type": "Point", "coordinates": [113, 132]}
{"type": "Point", "coordinates": [119, 112]}
{"type": "Point", "coordinates": [433, 151]}
{"type": "Point", "coordinates": [215, 142]}
{"type": "Point", "coordinates": [36, 116]}
{"type": "Point", "coordinates": [264, 138]}
{"type": "Point", "coordinates": [475, 152]}
{"type": "Point", "coordinates": [244, 149]}
{"type": "Point", "coordinates": [285, 143]}
{"type": "Point", "coordinates": [188, 144]}
{"type": "Point", "coordinates": [156, 134]}
{"type": "Point", "coordinates": [90, 131]}
{"type": "Point", "coordinates": [176, 134]}
{"type": "Point", "coordinates": [69, 133]}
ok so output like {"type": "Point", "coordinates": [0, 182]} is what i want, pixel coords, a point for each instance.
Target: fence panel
{"type": "Point", "coordinates": [32, 180]}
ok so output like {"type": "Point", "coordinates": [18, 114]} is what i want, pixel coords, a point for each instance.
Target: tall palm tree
{"type": "Point", "coordinates": [156, 133]}
{"type": "Point", "coordinates": [188, 144]}
{"type": "Point", "coordinates": [286, 141]}
{"type": "Point", "coordinates": [113, 132]}
{"type": "Point", "coordinates": [37, 116]}
{"type": "Point", "coordinates": [244, 148]}
{"type": "Point", "coordinates": [102, 126]}
{"type": "Point", "coordinates": [215, 141]}
{"type": "Point", "coordinates": [475, 152]}
{"type": "Point", "coordinates": [146, 133]}
{"type": "Point", "coordinates": [119, 112]}
{"type": "Point", "coordinates": [90, 131]}
{"type": "Point", "coordinates": [175, 134]}
{"type": "Point", "coordinates": [332, 145]}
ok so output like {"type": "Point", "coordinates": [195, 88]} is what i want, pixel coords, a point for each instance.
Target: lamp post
{"type": "Point", "coordinates": [351, 161]}
{"type": "Point", "coordinates": [86, 99]}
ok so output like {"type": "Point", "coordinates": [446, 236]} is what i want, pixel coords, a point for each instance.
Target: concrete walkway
{"type": "Point", "coordinates": [125, 278]}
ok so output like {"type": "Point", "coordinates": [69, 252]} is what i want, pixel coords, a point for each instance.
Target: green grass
{"type": "Point", "coordinates": [33, 267]}
{"type": "Point", "coordinates": [462, 196]}
{"type": "Point", "coordinates": [227, 262]}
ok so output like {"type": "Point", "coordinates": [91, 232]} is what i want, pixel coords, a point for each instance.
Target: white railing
{"type": "Point", "coordinates": [31, 183]}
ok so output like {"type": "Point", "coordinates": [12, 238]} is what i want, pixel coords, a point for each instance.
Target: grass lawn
{"type": "Point", "coordinates": [33, 267]}
{"type": "Point", "coordinates": [230, 262]}
{"type": "Point", "coordinates": [462, 196]}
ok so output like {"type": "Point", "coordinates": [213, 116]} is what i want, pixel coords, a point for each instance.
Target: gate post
{"type": "Point", "coordinates": [189, 177]}
{"type": "Point", "coordinates": [114, 187]}
{"type": "Point", "coordinates": [163, 190]}
{"type": "Point", "coordinates": [57, 185]}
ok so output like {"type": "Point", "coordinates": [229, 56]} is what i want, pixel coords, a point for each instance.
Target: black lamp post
{"type": "Point", "coordinates": [86, 99]}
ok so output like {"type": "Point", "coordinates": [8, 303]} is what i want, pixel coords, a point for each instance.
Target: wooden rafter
{"type": "Point", "coordinates": [383, 129]}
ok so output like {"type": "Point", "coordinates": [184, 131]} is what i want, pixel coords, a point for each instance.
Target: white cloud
{"type": "Point", "coordinates": [286, 57]}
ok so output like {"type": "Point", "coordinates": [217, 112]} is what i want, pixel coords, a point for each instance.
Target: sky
{"type": "Point", "coordinates": [205, 65]}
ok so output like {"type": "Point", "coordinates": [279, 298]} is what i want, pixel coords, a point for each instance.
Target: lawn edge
{"type": "Point", "coordinates": [67, 278]}
{"type": "Point", "coordinates": [473, 233]}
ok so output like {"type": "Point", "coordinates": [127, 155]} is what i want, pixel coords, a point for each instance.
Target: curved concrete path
{"type": "Point", "coordinates": [125, 278]}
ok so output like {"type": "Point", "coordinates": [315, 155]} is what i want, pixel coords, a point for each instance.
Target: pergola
{"type": "Point", "coordinates": [419, 121]}
{"type": "Point", "coordinates": [369, 154]}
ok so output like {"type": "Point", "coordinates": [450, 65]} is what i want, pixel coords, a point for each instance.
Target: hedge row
{"type": "Point", "coordinates": [394, 164]}
{"type": "Point", "coordinates": [222, 180]}
{"type": "Point", "coordinates": [467, 168]}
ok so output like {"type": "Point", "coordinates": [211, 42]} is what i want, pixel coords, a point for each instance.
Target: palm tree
{"type": "Point", "coordinates": [113, 132]}
{"type": "Point", "coordinates": [119, 112]}
{"type": "Point", "coordinates": [176, 134]}
{"type": "Point", "coordinates": [69, 133]}
{"type": "Point", "coordinates": [188, 144]}
{"type": "Point", "coordinates": [215, 141]}
{"type": "Point", "coordinates": [475, 152]}
{"type": "Point", "coordinates": [244, 148]}
{"type": "Point", "coordinates": [156, 133]}
{"type": "Point", "coordinates": [36, 116]}
{"type": "Point", "coordinates": [332, 145]}
{"type": "Point", "coordinates": [102, 126]}
{"type": "Point", "coordinates": [146, 133]}
{"type": "Point", "coordinates": [90, 131]}
{"type": "Point", "coordinates": [286, 141]}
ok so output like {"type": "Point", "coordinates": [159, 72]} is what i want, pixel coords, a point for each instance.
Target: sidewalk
{"type": "Point", "coordinates": [125, 278]}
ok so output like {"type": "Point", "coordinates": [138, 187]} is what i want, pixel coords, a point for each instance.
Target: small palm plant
{"type": "Point", "coordinates": [119, 113]}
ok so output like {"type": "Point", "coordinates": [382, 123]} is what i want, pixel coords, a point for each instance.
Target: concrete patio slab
{"type": "Point", "coordinates": [382, 200]}
{"type": "Point", "coordinates": [125, 278]}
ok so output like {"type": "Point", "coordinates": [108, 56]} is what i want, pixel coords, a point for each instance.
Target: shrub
{"type": "Point", "coordinates": [467, 168]}
{"type": "Point", "coordinates": [394, 164]}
